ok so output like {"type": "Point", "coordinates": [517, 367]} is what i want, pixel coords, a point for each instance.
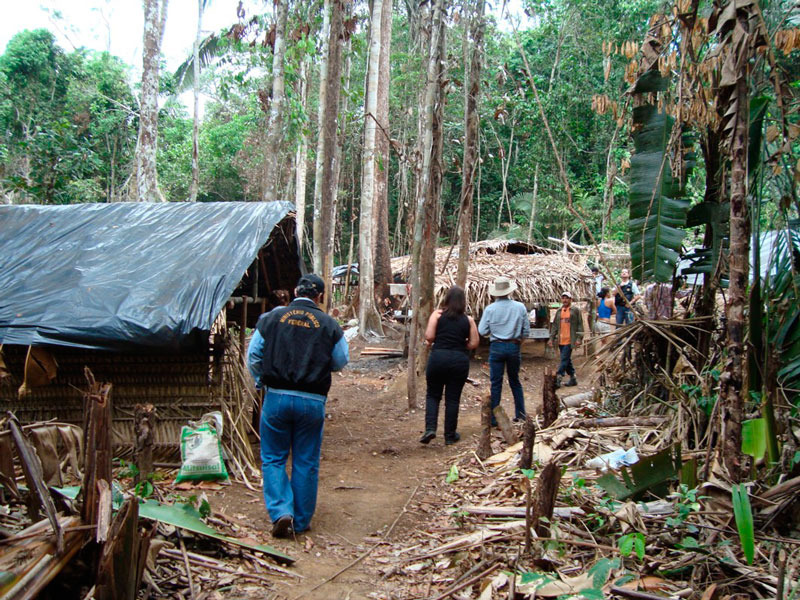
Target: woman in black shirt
{"type": "Point", "coordinates": [452, 334]}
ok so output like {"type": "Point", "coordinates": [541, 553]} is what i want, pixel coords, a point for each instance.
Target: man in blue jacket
{"type": "Point", "coordinates": [292, 352]}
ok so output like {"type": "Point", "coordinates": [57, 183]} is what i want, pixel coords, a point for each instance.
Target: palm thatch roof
{"type": "Point", "coordinates": [541, 274]}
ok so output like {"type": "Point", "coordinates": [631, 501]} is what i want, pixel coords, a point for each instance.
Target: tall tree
{"type": "Point", "coordinates": [328, 133]}
{"type": "Point", "coordinates": [383, 265]}
{"type": "Point", "coordinates": [193, 188]}
{"type": "Point", "coordinates": [739, 36]}
{"type": "Point", "coordinates": [155, 17]}
{"type": "Point", "coordinates": [427, 146]}
{"type": "Point", "coordinates": [471, 132]}
{"type": "Point", "coordinates": [275, 132]}
{"type": "Point", "coordinates": [301, 160]}
{"type": "Point", "coordinates": [369, 319]}
{"type": "Point", "coordinates": [318, 180]}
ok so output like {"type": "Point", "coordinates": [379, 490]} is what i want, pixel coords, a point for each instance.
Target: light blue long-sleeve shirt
{"type": "Point", "coordinates": [255, 353]}
{"type": "Point", "coordinates": [504, 320]}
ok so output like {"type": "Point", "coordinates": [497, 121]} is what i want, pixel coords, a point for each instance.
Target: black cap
{"type": "Point", "coordinates": [595, 270]}
{"type": "Point", "coordinates": [310, 285]}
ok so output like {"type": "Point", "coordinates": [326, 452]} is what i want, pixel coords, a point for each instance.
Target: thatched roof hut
{"type": "Point", "coordinates": [540, 274]}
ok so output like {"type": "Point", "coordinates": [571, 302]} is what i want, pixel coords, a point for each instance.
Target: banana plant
{"type": "Point", "coordinates": [658, 208]}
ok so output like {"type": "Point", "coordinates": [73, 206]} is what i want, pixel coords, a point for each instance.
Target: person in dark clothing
{"type": "Point", "coordinates": [566, 331]}
{"type": "Point", "coordinates": [292, 352]}
{"type": "Point", "coordinates": [452, 334]}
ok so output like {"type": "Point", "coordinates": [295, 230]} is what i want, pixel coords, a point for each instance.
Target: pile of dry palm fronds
{"type": "Point", "coordinates": [540, 274]}
{"type": "Point", "coordinates": [682, 545]}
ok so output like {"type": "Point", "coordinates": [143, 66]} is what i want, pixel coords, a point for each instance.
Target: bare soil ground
{"type": "Point", "coordinates": [374, 475]}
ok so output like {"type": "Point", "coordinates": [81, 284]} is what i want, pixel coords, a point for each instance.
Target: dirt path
{"type": "Point", "coordinates": [372, 464]}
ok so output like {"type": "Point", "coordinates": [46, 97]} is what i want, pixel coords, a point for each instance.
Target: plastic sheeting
{"type": "Point", "coordinates": [127, 275]}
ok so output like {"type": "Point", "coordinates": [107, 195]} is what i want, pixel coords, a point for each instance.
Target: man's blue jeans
{"type": "Point", "coordinates": [566, 366]}
{"type": "Point", "coordinates": [624, 315]}
{"type": "Point", "coordinates": [291, 423]}
{"type": "Point", "coordinates": [502, 355]}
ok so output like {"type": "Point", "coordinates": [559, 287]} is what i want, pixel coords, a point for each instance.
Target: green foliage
{"type": "Point", "coordinates": [754, 438]}
{"type": "Point", "coordinates": [452, 474]}
{"type": "Point", "coordinates": [743, 514]}
{"type": "Point", "coordinates": [631, 543]}
{"type": "Point", "coordinates": [67, 130]}
{"type": "Point", "coordinates": [658, 209]}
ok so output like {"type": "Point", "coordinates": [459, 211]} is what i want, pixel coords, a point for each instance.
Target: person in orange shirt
{"type": "Point", "coordinates": [567, 331]}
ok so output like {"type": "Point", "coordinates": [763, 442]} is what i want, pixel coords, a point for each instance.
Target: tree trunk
{"type": "Point", "coordinates": [320, 160]}
{"type": "Point", "coordinates": [275, 132]}
{"type": "Point", "coordinates": [335, 226]}
{"type": "Point", "coordinates": [426, 122]}
{"type": "Point", "coordinates": [155, 15]}
{"type": "Point", "coordinates": [329, 136]}
{"type": "Point", "coordinates": [301, 162]}
{"type": "Point", "coordinates": [368, 317]}
{"type": "Point", "coordinates": [732, 382]}
{"type": "Point", "coordinates": [532, 215]}
{"type": "Point", "coordinates": [432, 210]}
{"type": "Point", "coordinates": [383, 266]}
{"type": "Point", "coordinates": [471, 123]}
{"type": "Point", "coordinates": [195, 184]}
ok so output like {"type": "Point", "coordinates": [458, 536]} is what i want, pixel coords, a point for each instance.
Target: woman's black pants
{"type": "Point", "coordinates": [447, 372]}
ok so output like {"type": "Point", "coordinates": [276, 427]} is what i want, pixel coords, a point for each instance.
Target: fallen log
{"type": "Point", "coordinates": [580, 399]}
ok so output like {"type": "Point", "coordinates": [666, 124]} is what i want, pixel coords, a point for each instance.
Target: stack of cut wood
{"type": "Point", "coordinates": [384, 352]}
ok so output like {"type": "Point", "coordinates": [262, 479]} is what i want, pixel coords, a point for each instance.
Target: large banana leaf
{"type": "Point", "coordinates": [657, 207]}
{"type": "Point", "coordinates": [783, 308]}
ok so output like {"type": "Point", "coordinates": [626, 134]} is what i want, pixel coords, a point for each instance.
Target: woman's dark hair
{"type": "Point", "coordinates": [455, 302]}
{"type": "Point", "coordinates": [603, 292]}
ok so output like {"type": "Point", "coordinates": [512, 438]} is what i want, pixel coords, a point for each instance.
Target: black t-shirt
{"type": "Point", "coordinates": [452, 333]}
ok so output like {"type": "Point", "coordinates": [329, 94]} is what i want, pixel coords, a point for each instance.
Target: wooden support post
{"type": "Point", "coordinates": [144, 421]}
{"type": "Point", "coordinates": [123, 557]}
{"type": "Point", "coordinates": [549, 398]}
{"type": "Point", "coordinates": [528, 437]}
{"type": "Point", "coordinates": [96, 444]}
{"type": "Point", "coordinates": [243, 331]}
{"type": "Point", "coordinates": [509, 435]}
{"type": "Point", "coordinates": [546, 491]}
{"type": "Point", "coordinates": [485, 442]}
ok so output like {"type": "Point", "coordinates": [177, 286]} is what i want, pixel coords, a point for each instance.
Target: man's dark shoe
{"type": "Point", "coordinates": [572, 382]}
{"type": "Point", "coordinates": [452, 440]}
{"type": "Point", "coordinates": [283, 527]}
{"type": "Point", "coordinates": [427, 436]}
{"type": "Point", "coordinates": [558, 381]}
{"type": "Point", "coordinates": [519, 419]}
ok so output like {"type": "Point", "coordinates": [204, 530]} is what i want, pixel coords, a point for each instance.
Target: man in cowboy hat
{"type": "Point", "coordinates": [566, 331]}
{"type": "Point", "coordinates": [505, 322]}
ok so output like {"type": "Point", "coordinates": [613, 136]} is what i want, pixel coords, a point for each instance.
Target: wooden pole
{"type": "Point", "coordinates": [528, 437]}
{"type": "Point", "coordinates": [485, 442]}
{"type": "Point", "coordinates": [549, 398]}
{"type": "Point", "coordinates": [144, 417]}
{"type": "Point", "coordinates": [545, 500]}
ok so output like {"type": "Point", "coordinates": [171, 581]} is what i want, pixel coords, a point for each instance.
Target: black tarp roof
{"type": "Point", "coordinates": [125, 275]}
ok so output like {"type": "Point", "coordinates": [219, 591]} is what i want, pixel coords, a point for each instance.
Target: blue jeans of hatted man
{"type": "Point", "coordinates": [291, 423]}
{"type": "Point", "coordinates": [504, 355]}
{"type": "Point", "coordinates": [566, 366]}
